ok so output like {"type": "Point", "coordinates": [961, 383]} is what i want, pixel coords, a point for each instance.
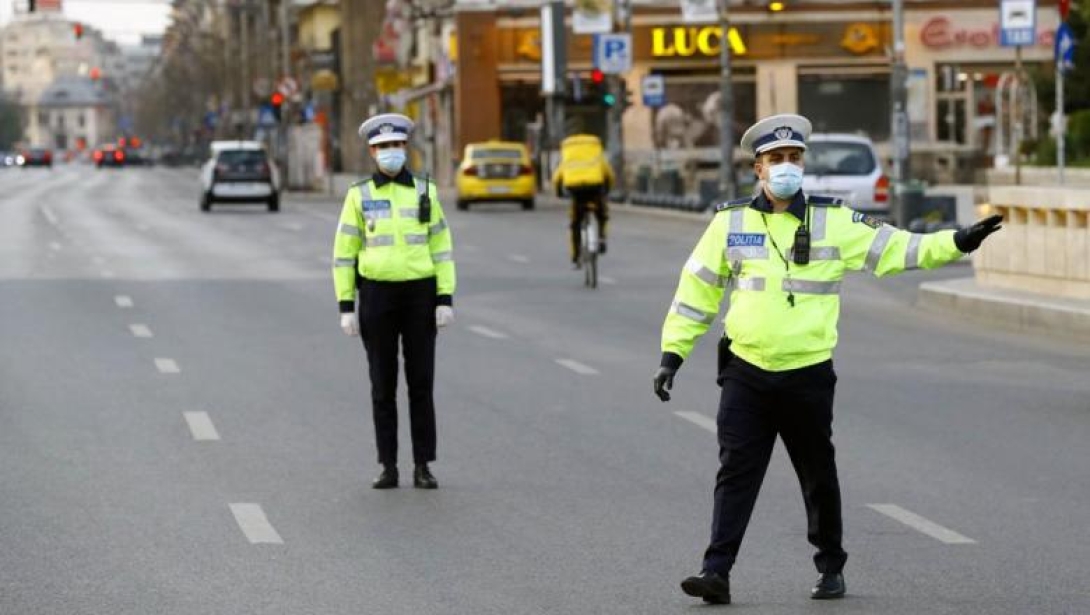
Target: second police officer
{"type": "Point", "coordinates": [393, 253]}
{"type": "Point", "coordinates": [782, 255]}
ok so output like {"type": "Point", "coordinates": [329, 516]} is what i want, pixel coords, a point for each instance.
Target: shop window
{"type": "Point", "coordinates": [691, 117]}
{"type": "Point", "coordinates": [965, 104]}
{"type": "Point", "coordinates": [835, 100]}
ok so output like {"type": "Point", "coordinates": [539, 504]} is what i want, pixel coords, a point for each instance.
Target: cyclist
{"type": "Point", "coordinates": [586, 175]}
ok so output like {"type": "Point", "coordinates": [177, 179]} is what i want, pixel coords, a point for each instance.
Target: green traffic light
{"type": "Point", "coordinates": [609, 100]}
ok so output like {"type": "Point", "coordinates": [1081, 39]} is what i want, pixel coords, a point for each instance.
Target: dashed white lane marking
{"type": "Point", "coordinates": [123, 301]}
{"type": "Point", "coordinates": [167, 366]}
{"type": "Point", "coordinates": [254, 524]}
{"type": "Point", "coordinates": [519, 258]}
{"type": "Point", "coordinates": [607, 280]}
{"type": "Point", "coordinates": [922, 525]}
{"type": "Point", "coordinates": [55, 246]}
{"type": "Point", "coordinates": [49, 215]}
{"type": "Point", "coordinates": [200, 425]}
{"type": "Point", "coordinates": [577, 367]}
{"type": "Point", "coordinates": [486, 332]}
{"type": "Point", "coordinates": [140, 330]}
{"type": "Point", "coordinates": [698, 419]}
{"type": "Point", "coordinates": [106, 273]}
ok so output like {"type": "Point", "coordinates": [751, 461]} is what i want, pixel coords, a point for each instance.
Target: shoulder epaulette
{"type": "Point", "coordinates": [819, 200]}
{"type": "Point", "coordinates": [731, 204]}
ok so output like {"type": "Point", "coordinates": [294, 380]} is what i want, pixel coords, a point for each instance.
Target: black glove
{"type": "Point", "coordinates": [664, 381]}
{"type": "Point", "coordinates": [969, 239]}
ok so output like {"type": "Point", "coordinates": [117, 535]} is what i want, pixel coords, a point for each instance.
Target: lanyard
{"type": "Point", "coordinates": [786, 263]}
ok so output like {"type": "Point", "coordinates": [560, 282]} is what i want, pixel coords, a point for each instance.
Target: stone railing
{"type": "Point", "coordinates": [1044, 246]}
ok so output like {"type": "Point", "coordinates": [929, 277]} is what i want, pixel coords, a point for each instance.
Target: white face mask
{"type": "Point", "coordinates": [784, 180]}
{"type": "Point", "coordinates": [391, 159]}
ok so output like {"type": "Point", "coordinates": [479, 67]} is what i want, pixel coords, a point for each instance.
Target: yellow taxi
{"type": "Point", "coordinates": [496, 171]}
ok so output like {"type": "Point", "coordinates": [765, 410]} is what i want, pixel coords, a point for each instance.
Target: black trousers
{"type": "Point", "coordinates": [389, 313]}
{"type": "Point", "coordinates": [583, 198]}
{"type": "Point", "coordinates": [755, 406]}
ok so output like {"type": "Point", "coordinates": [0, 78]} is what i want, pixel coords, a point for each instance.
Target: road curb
{"type": "Point", "coordinates": [1020, 310]}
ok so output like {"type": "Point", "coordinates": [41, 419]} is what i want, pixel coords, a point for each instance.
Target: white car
{"type": "Point", "coordinates": [846, 166]}
{"type": "Point", "coordinates": [239, 172]}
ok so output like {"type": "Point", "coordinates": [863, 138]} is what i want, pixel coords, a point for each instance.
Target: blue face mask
{"type": "Point", "coordinates": [391, 159]}
{"type": "Point", "coordinates": [784, 180]}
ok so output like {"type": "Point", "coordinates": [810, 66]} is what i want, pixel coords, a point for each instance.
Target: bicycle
{"type": "Point", "coordinates": [588, 252]}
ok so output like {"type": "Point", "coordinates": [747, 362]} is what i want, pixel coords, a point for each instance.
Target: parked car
{"type": "Point", "coordinates": [846, 166]}
{"type": "Point", "coordinates": [36, 157]}
{"type": "Point", "coordinates": [109, 156]}
{"type": "Point", "coordinates": [496, 171]}
{"type": "Point", "coordinates": [239, 172]}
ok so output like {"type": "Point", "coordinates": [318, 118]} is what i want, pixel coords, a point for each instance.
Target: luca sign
{"type": "Point", "coordinates": [687, 42]}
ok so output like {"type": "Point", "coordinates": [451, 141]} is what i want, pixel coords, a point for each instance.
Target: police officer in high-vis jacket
{"type": "Point", "coordinates": [392, 252]}
{"type": "Point", "coordinates": [781, 255]}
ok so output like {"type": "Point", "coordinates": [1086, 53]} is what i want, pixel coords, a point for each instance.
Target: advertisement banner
{"type": "Point", "coordinates": [592, 17]}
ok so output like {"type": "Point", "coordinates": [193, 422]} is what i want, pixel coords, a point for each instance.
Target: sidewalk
{"type": "Point", "coordinates": [1017, 309]}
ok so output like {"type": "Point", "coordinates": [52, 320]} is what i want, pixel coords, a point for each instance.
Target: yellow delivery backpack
{"type": "Point", "coordinates": [582, 162]}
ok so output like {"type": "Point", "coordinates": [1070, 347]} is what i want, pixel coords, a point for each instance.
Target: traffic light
{"type": "Point", "coordinates": [277, 103]}
{"type": "Point", "coordinates": [597, 77]}
{"type": "Point", "coordinates": [77, 29]}
{"type": "Point", "coordinates": [608, 99]}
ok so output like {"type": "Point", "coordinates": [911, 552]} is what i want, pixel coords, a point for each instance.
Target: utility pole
{"type": "Point", "coordinates": [245, 99]}
{"type": "Point", "coordinates": [1019, 113]}
{"type": "Point", "coordinates": [615, 115]}
{"type": "Point", "coordinates": [726, 106]}
{"type": "Point", "coordinates": [899, 115]}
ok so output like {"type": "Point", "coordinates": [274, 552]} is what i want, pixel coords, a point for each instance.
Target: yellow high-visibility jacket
{"type": "Point", "coordinates": [380, 237]}
{"type": "Point", "coordinates": [738, 251]}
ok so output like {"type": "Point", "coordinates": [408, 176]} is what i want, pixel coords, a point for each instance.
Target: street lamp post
{"type": "Point", "coordinates": [726, 107]}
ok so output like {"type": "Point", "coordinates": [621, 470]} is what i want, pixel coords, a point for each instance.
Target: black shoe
{"type": "Point", "coordinates": [601, 246]}
{"type": "Point", "coordinates": [830, 586]}
{"type": "Point", "coordinates": [713, 588]}
{"type": "Point", "coordinates": [386, 480]}
{"type": "Point", "coordinates": [422, 478]}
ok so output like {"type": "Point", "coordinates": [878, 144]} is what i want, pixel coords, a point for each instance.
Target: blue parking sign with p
{"type": "Point", "coordinates": [613, 53]}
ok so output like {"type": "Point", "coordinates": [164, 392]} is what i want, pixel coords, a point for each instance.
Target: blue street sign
{"type": "Point", "coordinates": [265, 116]}
{"type": "Point", "coordinates": [1017, 23]}
{"type": "Point", "coordinates": [613, 53]}
{"type": "Point", "coordinates": [653, 88]}
{"type": "Point", "coordinates": [1065, 48]}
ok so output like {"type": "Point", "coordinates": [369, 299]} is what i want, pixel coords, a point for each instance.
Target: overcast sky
{"type": "Point", "coordinates": [121, 20]}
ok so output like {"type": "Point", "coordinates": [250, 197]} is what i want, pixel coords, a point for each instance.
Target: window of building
{"type": "Point", "coordinates": [846, 99]}
{"type": "Point", "coordinates": [81, 120]}
{"type": "Point", "coordinates": [60, 120]}
{"type": "Point", "coordinates": [43, 118]}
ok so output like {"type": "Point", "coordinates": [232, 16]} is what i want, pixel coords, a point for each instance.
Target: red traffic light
{"type": "Point", "coordinates": [77, 29]}
{"type": "Point", "coordinates": [277, 99]}
{"type": "Point", "coordinates": [597, 76]}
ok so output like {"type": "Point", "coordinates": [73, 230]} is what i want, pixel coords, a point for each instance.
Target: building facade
{"type": "Point", "coordinates": [72, 114]}
{"type": "Point", "coordinates": [826, 60]}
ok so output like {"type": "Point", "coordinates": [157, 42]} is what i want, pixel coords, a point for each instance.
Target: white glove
{"type": "Point", "coordinates": [349, 324]}
{"type": "Point", "coordinates": [444, 315]}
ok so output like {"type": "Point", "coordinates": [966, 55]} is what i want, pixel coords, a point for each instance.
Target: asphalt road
{"type": "Point", "coordinates": [185, 429]}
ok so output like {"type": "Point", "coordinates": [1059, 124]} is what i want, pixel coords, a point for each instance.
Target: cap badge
{"type": "Point", "coordinates": [386, 129]}
{"type": "Point", "coordinates": [783, 133]}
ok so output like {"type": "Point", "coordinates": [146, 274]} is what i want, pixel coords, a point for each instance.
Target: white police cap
{"type": "Point", "coordinates": [385, 128]}
{"type": "Point", "coordinates": [784, 130]}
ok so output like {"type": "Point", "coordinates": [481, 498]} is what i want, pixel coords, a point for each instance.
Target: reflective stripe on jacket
{"type": "Point", "coordinates": [765, 330]}
{"type": "Point", "coordinates": [380, 236]}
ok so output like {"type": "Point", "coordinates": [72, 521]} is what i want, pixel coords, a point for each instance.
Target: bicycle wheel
{"type": "Point", "coordinates": [590, 251]}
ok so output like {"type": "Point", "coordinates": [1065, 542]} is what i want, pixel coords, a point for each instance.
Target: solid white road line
{"type": "Point", "coordinates": [49, 215]}
{"type": "Point", "coordinates": [140, 330]}
{"type": "Point", "coordinates": [922, 525]}
{"type": "Point", "coordinates": [577, 367]}
{"type": "Point", "coordinates": [167, 366]}
{"type": "Point", "coordinates": [123, 301]}
{"type": "Point", "coordinates": [253, 522]}
{"type": "Point", "coordinates": [698, 419]}
{"type": "Point", "coordinates": [486, 332]}
{"type": "Point", "coordinates": [519, 258]}
{"type": "Point", "coordinates": [200, 425]}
